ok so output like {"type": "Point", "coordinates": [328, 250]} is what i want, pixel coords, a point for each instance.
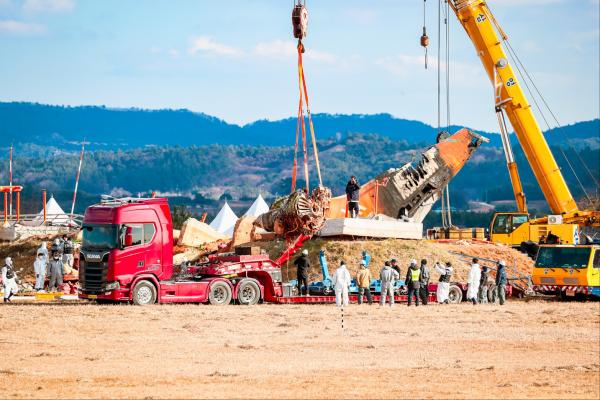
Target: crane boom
{"type": "Point", "coordinates": [486, 35]}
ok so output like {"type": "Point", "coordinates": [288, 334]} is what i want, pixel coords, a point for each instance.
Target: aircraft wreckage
{"type": "Point", "coordinates": [404, 194]}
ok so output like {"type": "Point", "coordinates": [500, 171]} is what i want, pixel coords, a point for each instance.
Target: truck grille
{"type": "Point", "coordinates": [92, 275]}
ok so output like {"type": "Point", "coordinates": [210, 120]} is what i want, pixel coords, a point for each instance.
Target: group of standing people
{"type": "Point", "coordinates": [479, 280]}
{"type": "Point", "coordinates": [417, 281]}
{"type": "Point", "coordinates": [53, 265]}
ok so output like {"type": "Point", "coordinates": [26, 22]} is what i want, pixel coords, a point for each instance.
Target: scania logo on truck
{"type": "Point", "coordinates": [93, 257]}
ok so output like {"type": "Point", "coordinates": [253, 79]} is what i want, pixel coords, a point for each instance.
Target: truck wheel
{"type": "Point", "coordinates": [248, 293]}
{"type": "Point", "coordinates": [144, 293]}
{"type": "Point", "coordinates": [220, 294]}
{"type": "Point", "coordinates": [455, 295]}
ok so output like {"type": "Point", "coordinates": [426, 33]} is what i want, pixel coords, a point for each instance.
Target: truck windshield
{"type": "Point", "coordinates": [563, 257]}
{"type": "Point", "coordinates": [102, 236]}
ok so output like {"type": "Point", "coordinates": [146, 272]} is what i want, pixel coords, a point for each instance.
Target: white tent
{"type": "Point", "coordinates": [258, 207]}
{"type": "Point", "coordinates": [225, 221]}
{"type": "Point", "coordinates": [54, 214]}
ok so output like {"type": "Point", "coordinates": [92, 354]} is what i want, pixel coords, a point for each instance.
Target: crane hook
{"type": "Point", "coordinates": [300, 20]}
{"type": "Point", "coordinates": [424, 37]}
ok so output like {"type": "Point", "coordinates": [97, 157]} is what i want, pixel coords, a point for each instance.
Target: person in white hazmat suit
{"type": "Point", "coordinates": [388, 277]}
{"type": "Point", "coordinates": [443, 288]}
{"type": "Point", "coordinates": [9, 279]}
{"type": "Point", "coordinates": [39, 267]}
{"type": "Point", "coordinates": [43, 249]}
{"type": "Point", "coordinates": [341, 283]}
{"type": "Point", "coordinates": [473, 281]}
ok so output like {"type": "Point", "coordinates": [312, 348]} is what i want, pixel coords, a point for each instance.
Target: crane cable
{"type": "Point", "coordinates": [300, 27]}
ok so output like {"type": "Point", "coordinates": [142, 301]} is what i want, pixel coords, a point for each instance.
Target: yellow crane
{"type": "Point", "coordinates": [513, 228]}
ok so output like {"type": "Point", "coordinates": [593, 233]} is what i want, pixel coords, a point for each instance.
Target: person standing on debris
{"type": "Point", "coordinates": [353, 197]}
{"type": "Point", "coordinates": [483, 285]}
{"type": "Point", "coordinates": [501, 281]}
{"type": "Point", "coordinates": [363, 279]}
{"type": "Point", "coordinates": [424, 291]}
{"type": "Point", "coordinates": [443, 288]}
{"type": "Point", "coordinates": [9, 279]}
{"type": "Point", "coordinates": [413, 282]}
{"type": "Point", "coordinates": [473, 281]}
{"type": "Point", "coordinates": [302, 264]}
{"type": "Point", "coordinates": [388, 277]}
{"type": "Point", "coordinates": [341, 284]}
{"type": "Point", "coordinates": [39, 267]}
{"type": "Point", "coordinates": [68, 252]}
{"type": "Point", "coordinates": [56, 271]}
{"type": "Point", "coordinates": [396, 267]}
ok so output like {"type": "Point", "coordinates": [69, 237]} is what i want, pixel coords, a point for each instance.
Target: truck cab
{"type": "Point", "coordinates": [124, 241]}
{"type": "Point", "coordinates": [514, 228]}
{"type": "Point", "coordinates": [567, 270]}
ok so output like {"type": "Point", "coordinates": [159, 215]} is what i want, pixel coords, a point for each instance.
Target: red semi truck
{"type": "Point", "coordinates": [127, 256]}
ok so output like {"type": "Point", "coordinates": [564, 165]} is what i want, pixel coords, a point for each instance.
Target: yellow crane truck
{"type": "Point", "coordinates": [513, 228]}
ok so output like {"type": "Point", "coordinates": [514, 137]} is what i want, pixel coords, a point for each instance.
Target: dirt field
{"type": "Point", "coordinates": [521, 350]}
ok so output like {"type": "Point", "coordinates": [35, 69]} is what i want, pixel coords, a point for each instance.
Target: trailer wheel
{"type": "Point", "coordinates": [144, 293]}
{"type": "Point", "coordinates": [248, 292]}
{"type": "Point", "coordinates": [454, 295]}
{"type": "Point", "coordinates": [220, 294]}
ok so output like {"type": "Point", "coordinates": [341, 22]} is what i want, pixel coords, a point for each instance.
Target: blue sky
{"type": "Point", "coordinates": [235, 59]}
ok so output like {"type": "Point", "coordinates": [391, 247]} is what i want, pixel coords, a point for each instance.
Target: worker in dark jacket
{"type": "Point", "coordinates": [303, 265]}
{"type": "Point", "coordinates": [353, 197]}
{"type": "Point", "coordinates": [501, 281]}
{"type": "Point", "coordinates": [413, 282]}
{"type": "Point", "coordinates": [424, 291]}
{"type": "Point", "coordinates": [395, 266]}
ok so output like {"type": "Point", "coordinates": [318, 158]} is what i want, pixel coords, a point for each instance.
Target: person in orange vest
{"type": "Point", "coordinates": [413, 282]}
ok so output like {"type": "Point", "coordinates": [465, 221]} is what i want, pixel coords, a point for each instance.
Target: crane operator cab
{"type": "Point", "coordinates": [515, 228]}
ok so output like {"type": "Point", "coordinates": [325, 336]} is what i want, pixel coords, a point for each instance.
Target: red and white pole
{"type": "Point", "coordinates": [10, 168]}
{"type": "Point", "coordinates": [77, 178]}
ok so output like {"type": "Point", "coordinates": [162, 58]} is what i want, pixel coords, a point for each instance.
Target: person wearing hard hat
{"type": "Point", "coordinates": [302, 264]}
{"type": "Point", "coordinates": [341, 284]}
{"type": "Point", "coordinates": [473, 281]}
{"type": "Point", "coordinates": [363, 279]}
{"type": "Point", "coordinates": [501, 281]}
{"type": "Point", "coordinates": [443, 287]}
{"type": "Point", "coordinates": [9, 279]}
{"type": "Point", "coordinates": [413, 282]}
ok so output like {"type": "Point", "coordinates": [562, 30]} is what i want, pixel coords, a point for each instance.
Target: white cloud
{"type": "Point", "coordinates": [48, 5]}
{"type": "Point", "coordinates": [12, 27]}
{"type": "Point", "coordinates": [205, 44]}
{"type": "Point", "coordinates": [284, 50]}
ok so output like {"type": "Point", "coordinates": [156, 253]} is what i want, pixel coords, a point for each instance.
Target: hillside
{"type": "Point", "coordinates": [199, 175]}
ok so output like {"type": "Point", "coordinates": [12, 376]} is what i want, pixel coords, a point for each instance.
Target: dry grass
{"type": "Point", "coordinates": [521, 350]}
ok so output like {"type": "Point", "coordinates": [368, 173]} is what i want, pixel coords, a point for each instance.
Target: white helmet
{"type": "Point", "coordinates": [363, 263]}
{"type": "Point", "coordinates": [502, 262]}
{"type": "Point", "coordinates": [8, 261]}
{"type": "Point", "coordinates": [413, 262]}
{"type": "Point", "coordinates": [305, 252]}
